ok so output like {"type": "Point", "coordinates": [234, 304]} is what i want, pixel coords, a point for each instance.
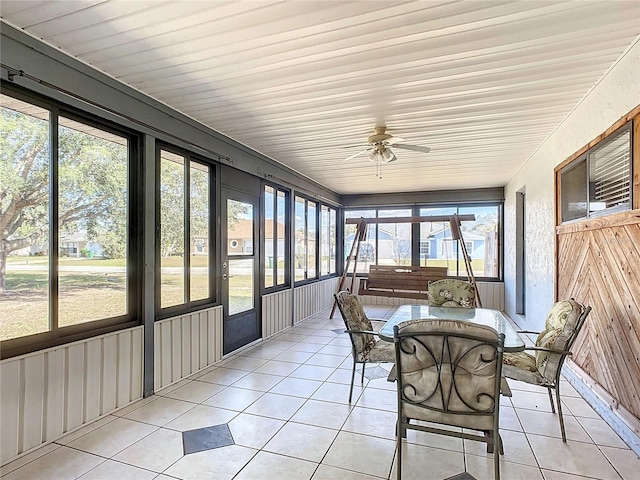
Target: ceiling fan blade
{"type": "Point", "coordinates": [394, 140]}
{"type": "Point", "coordinates": [415, 148]}
{"type": "Point", "coordinates": [356, 154]}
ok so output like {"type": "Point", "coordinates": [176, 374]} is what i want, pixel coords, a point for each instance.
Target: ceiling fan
{"type": "Point", "coordinates": [379, 147]}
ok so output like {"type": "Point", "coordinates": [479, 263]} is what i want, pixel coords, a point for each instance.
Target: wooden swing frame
{"type": "Point", "coordinates": [360, 236]}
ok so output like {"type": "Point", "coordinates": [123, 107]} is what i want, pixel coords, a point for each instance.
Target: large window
{"type": "Point", "coordinates": [481, 240]}
{"type": "Point", "coordinates": [276, 221]}
{"type": "Point", "coordinates": [327, 240]}
{"type": "Point", "coordinates": [393, 240]}
{"type": "Point", "coordinates": [435, 245]}
{"type": "Point", "coordinates": [598, 182]}
{"type": "Point", "coordinates": [385, 243]}
{"type": "Point", "coordinates": [305, 239]}
{"type": "Point", "coordinates": [66, 210]}
{"type": "Point", "coordinates": [185, 242]}
{"type": "Point", "coordinates": [366, 252]}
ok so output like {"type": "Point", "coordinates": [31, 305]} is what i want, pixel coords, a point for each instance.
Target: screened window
{"type": "Point", "coordinates": [393, 239]}
{"type": "Point", "coordinates": [312, 220]}
{"type": "Point", "coordinates": [65, 209]}
{"type": "Point", "coordinates": [306, 220]}
{"type": "Point", "coordinates": [185, 241]}
{"type": "Point", "coordinates": [435, 245]}
{"type": "Point", "coordinates": [385, 243]}
{"type": "Point", "coordinates": [327, 240]}
{"type": "Point", "coordinates": [481, 239]}
{"type": "Point", "coordinates": [276, 219]}
{"type": "Point", "coordinates": [366, 253]}
{"type": "Point", "coordinates": [92, 177]}
{"type": "Point", "coordinates": [598, 182]}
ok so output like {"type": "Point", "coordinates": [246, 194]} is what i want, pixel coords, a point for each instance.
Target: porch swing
{"type": "Point", "coordinates": [402, 281]}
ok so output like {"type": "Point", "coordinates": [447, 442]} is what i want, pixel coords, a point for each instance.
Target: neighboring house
{"type": "Point", "coordinates": [200, 245]}
{"type": "Point", "coordinates": [240, 238]}
{"type": "Point", "coordinates": [439, 245]}
{"type": "Point", "coordinates": [70, 246]}
{"type": "Point", "coordinates": [368, 247]}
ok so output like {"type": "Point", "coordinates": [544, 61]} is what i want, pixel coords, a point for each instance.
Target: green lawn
{"type": "Point", "coordinates": [83, 297]}
{"type": "Point", "coordinates": [196, 261]}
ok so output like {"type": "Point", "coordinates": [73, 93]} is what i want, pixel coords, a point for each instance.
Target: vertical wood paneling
{"type": "Point", "coordinates": [54, 400]}
{"type": "Point", "coordinates": [176, 349]}
{"type": "Point", "coordinates": [313, 298]}
{"type": "Point", "coordinates": [74, 401]}
{"type": "Point", "coordinates": [214, 347]}
{"type": "Point", "coordinates": [33, 401]}
{"type": "Point", "coordinates": [137, 354]}
{"type": "Point", "coordinates": [492, 294]}
{"type": "Point", "coordinates": [205, 333]}
{"type": "Point", "coordinates": [276, 312]}
{"type": "Point", "coordinates": [218, 322]}
{"type": "Point", "coordinates": [185, 323]}
{"type": "Point", "coordinates": [45, 394]}
{"type": "Point", "coordinates": [93, 380]}
{"type": "Point", "coordinates": [158, 356]}
{"type": "Point", "coordinates": [109, 361]}
{"type": "Point", "coordinates": [9, 409]}
{"type": "Point", "coordinates": [194, 319]}
{"type": "Point", "coordinates": [166, 352]}
{"type": "Point", "coordinates": [124, 369]}
{"type": "Point", "coordinates": [186, 344]}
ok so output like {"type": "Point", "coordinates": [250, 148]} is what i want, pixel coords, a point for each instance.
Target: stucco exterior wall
{"type": "Point", "coordinates": [616, 94]}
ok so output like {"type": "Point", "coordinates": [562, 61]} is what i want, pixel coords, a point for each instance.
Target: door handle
{"type": "Point", "coordinates": [224, 276]}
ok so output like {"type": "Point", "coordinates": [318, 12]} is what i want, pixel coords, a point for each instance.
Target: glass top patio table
{"type": "Point", "coordinates": [480, 316]}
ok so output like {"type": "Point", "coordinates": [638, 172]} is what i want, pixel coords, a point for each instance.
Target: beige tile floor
{"type": "Point", "coordinates": [285, 402]}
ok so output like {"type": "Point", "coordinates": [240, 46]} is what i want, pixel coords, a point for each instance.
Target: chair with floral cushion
{"type": "Point", "coordinates": [364, 346]}
{"type": "Point", "coordinates": [448, 375]}
{"type": "Point", "coordinates": [452, 293]}
{"type": "Point", "coordinates": [553, 345]}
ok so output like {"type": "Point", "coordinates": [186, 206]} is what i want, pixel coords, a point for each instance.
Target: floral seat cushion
{"type": "Point", "coordinates": [560, 328]}
{"type": "Point", "coordinates": [382, 352]}
{"type": "Point", "coordinates": [521, 366]}
{"type": "Point", "coordinates": [356, 319]}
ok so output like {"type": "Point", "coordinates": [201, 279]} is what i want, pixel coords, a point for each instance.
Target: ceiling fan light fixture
{"type": "Point", "coordinates": [381, 155]}
{"type": "Point", "coordinates": [387, 155]}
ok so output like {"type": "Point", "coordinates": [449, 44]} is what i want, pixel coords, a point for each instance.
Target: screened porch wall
{"type": "Point", "coordinates": [186, 344]}
{"type": "Point", "coordinates": [46, 394]}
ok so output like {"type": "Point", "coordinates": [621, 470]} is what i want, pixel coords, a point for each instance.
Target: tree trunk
{"type": "Point", "coordinates": [4, 253]}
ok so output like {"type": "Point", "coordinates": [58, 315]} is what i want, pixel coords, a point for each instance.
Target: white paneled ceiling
{"type": "Point", "coordinates": [305, 82]}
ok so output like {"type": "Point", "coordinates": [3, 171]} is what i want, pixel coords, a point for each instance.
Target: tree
{"type": "Point", "coordinates": [24, 172]}
{"type": "Point", "coordinates": [92, 183]}
{"type": "Point", "coordinates": [93, 189]}
{"type": "Point", "coordinates": [401, 251]}
{"type": "Point", "coordinates": [171, 208]}
{"type": "Point", "coordinates": [484, 223]}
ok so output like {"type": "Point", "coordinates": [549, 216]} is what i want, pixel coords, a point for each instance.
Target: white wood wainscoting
{"type": "Point", "coordinates": [276, 312]}
{"type": "Point", "coordinates": [313, 298]}
{"type": "Point", "coordinates": [46, 394]}
{"type": "Point", "coordinates": [491, 294]}
{"type": "Point", "coordinates": [185, 344]}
